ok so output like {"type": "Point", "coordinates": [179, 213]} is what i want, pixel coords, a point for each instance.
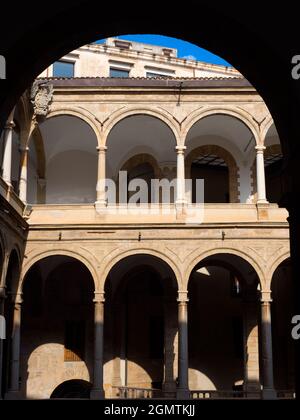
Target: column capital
{"type": "Point", "coordinates": [17, 298]}
{"type": "Point", "coordinates": [10, 125]}
{"type": "Point", "coordinates": [260, 148]}
{"type": "Point", "coordinates": [99, 297]}
{"type": "Point", "coordinates": [2, 292]}
{"type": "Point", "coordinates": [182, 296]}
{"type": "Point", "coordinates": [101, 149]}
{"type": "Point", "coordinates": [24, 149]}
{"type": "Point", "coordinates": [180, 149]}
{"type": "Point", "coordinates": [266, 297]}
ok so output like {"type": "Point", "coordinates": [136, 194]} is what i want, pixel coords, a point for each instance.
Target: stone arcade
{"type": "Point", "coordinates": [99, 304]}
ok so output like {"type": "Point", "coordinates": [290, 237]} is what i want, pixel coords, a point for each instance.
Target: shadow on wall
{"type": "Point", "coordinates": [140, 309]}
{"type": "Point", "coordinates": [58, 327]}
{"type": "Point", "coordinates": [282, 313]}
{"type": "Point", "coordinates": [221, 321]}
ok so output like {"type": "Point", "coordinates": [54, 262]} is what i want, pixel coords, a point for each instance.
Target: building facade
{"type": "Point", "coordinates": [104, 299]}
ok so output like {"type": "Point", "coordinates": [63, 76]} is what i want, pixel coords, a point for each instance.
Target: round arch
{"type": "Point", "coordinates": [227, 157]}
{"type": "Point", "coordinates": [231, 251]}
{"type": "Point", "coordinates": [273, 149]}
{"type": "Point", "coordinates": [266, 127]}
{"type": "Point", "coordinates": [13, 270]}
{"type": "Point", "coordinates": [16, 249]}
{"type": "Point", "coordinates": [38, 141]}
{"type": "Point", "coordinates": [117, 256]}
{"type": "Point", "coordinates": [23, 120]}
{"type": "Point", "coordinates": [41, 256]}
{"type": "Point", "coordinates": [2, 244]}
{"type": "Point", "coordinates": [238, 114]}
{"type": "Point", "coordinates": [122, 114]}
{"type": "Point", "coordinates": [82, 114]}
{"type": "Point", "coordinates": [282, 258]}
{"type": "Point", "coordinates": [72, 388]}
{"type": "Point", "coordinates": [139, 159]}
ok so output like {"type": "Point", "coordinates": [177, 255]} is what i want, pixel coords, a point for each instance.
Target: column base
{"type": "Point", "coordinates": [13, 395]}
{"type": "Point", "coordinates": [262, 210]}
{"type": "Point", "coordinates": [262, 202]}
{"type": "Point", "coordinates": [97, 394]}
{"type": "Point", "coordinates": [269, 394]}
{"type": "Point", "coordinates": [182, 394]}
{"type": "Point", "coordinates": [169, 390]}
{"type": "Point", "coordinates": [100, 206]}
{"type": "Point", "coordinates": [180, 207]}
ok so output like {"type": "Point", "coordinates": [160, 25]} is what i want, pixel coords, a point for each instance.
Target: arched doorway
{"type": "Point", "coordinates": [223, 327]}
{"type": "Point", "coordinates": [74, 388]}
{"type": "Point", "coordinates": [57, 324]}
{"type": "Point", "coordinates": [140, 327]}
{"type": "Point", "coordinates": [282, 313]}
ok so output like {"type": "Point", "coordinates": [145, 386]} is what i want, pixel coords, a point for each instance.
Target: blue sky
{"type": "Point", "coordinates": [185, 49]}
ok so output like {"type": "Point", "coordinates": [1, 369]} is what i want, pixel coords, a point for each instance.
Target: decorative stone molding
{"type": "Point", "coordinates": [99, 297]}
{"type": "Point", "coordinates": [182, 296]}
{"type": "Point", "coordinates": [266, 297]}
{"type": "Point", "coordinates": [41, 96]}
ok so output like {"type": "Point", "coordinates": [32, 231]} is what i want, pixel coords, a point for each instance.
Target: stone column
{"type": "Point", "coordinates": [170, 329]}
{"type": "Point", "coordinates": [97, 391]}
{"type": "Point", "coordinates": [101, 195]}
{"type": "Point", "coordinates": [180, 199]}
{"type": "Point", "coordinates": [2, 333]}
{"type": "Point", "coordinates": [260, 175]}
{"type": "Point", "coordinates": [251, 343]}
{"type": "Point", "coordinates": [266, 346]}
{"type": "Point", "coordinates": [23, 174]}
{"type": "Point", "coordinates": [183, 357]}
{"type": "Point", "coordinates": [7, 156]}
{"type": "Point", "coordinates": [117, 315]}
{"type": "Point", "coordinates": [14, 387]}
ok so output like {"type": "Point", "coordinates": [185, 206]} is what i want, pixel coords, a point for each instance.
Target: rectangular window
{"type": "Point", "coordinates": [63, 69]}
{"type": "Point", "coordinates": [150, 74]}
{"type": "Point", "coordinates": [122, 44]}
{"type": "Point", "coordinates": [74, 341]}
{"type": "Point", "coordinates": [118, 72]}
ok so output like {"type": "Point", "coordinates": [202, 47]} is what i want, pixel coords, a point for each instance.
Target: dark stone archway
{"type": "Point", "coordinates": [74, 388]}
